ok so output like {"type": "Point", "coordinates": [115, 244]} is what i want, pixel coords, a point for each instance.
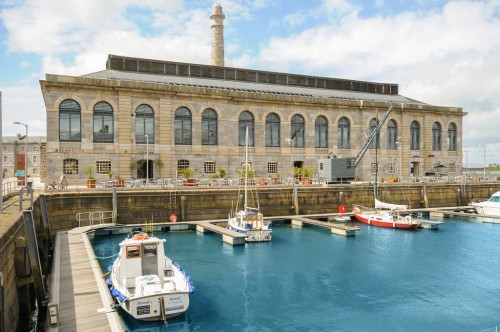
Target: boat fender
{"type": "Point", "coordinates": [408, 219]}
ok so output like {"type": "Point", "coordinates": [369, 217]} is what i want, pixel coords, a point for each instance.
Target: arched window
{"type": "Point", "coordinates": [209, 127]}
{"type": "Point", "coordinates": [392, 135]}
{"type": "Point", "coordinates": [415, 136]}
{"type": "Point", "coordinates": [182, 127]}
{"type": "Point", "coordinates": [144, 124]}
{"type": "Point", "coordinates": [376, 141]}
{"type": "Point", "coordinates": [344, 133]}
{"type": "Point", "coordinates": [246, 120]}
{"type": "Point", "coordinates": [436, 136]}
{"type": "Point", "coordinates": [297, 131]}
{"type": "Point", "coordinates": [321, 132]}
{"type": "Point", "coordinates": [70, 121]}
{"type": "Point", "coordinates": [103, 123]}
{"type": "Point", "coordinates": [272, 130]}
{"type": "Point", "coordinates": [452, 137]}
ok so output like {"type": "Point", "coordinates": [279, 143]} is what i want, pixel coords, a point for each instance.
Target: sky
{"type": "Point", "coordinates": [445, 53]}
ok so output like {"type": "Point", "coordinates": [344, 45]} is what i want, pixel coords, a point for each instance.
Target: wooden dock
{"type": "Point", "coordinates": [338, 229]}
{"type": "Point", "coordinates": [228, 236]}
{"type": "Point", "coordinates": [77, 289]}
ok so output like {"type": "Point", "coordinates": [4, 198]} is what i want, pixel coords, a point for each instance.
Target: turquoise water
{"type": "Point", "coordinates": [309, 280]}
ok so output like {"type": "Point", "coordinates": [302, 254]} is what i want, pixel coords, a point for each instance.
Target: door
{"type": "Point", "coordinates": [20, 169]}
{"type": "Point", "coordinates": [142, 171]}
{"type": "Point", "coordinates": [149, 259]}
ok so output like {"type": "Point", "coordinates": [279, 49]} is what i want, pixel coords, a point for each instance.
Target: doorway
{"type": "Point", "coordinates": [415, 168]}
{"type": "Point", "coordinates": [142, 171]}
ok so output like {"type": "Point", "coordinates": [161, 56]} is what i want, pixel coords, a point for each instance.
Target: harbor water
{"type": "Point", "coordinates": [307, 279]}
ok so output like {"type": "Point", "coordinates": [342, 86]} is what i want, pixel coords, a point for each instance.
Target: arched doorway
{"type": "Point", "coordinates": [142, 171]}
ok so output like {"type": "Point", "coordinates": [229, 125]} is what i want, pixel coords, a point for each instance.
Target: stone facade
{"type": "Point", "coordinates": [128, 83]}
{"type": "Point", "coordinates": [12, 148]}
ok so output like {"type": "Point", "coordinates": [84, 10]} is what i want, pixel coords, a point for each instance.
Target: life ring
{"type": "Point", "coordinates": [408, 219]}
{"type": "Point", "coordinates": [261, 182]}
{"type": "Point", "coordinates": [141, 236]}
{"type": "Point", "coordinates": [173, 217]}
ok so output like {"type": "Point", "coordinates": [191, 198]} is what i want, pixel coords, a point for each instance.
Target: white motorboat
{"type": "Point", "coordinates": [490, 207]}
{"type": "Point", "coordinates": [145, 282]}
{"type": "Point", "coordinates": [250, 221]}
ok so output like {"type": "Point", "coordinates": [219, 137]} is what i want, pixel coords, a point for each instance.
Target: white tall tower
{"type": "Point", "coordinates": [217, 19]}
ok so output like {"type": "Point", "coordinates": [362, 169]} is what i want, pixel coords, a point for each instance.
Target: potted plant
{"type": "Point", "coordinates": [306, 175]}
{"type": "Point", "coordinates": [119, 181]}
{"type": "Point", "coordinates": [248, 172]}
{"type": "Point", "coordinates": [91, 180]}
{"type": "Point", "coordinates": [392, 178]}
{"type": "Point", "coordinates": [276, 178]}
{"type": "Point", "coordinates": [297, 172]}
{"type": "Point", "coordinates": [188, 173]}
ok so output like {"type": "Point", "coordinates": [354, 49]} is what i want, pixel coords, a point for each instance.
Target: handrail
{"type": "Point", "coordinates": [94, 216]}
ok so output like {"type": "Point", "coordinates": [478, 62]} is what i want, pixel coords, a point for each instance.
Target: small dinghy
{"type": "Point", "coordinates": [145, 282]}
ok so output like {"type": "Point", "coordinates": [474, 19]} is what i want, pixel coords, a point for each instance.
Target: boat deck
{"type": "Point", "coordinates": [77, 288]}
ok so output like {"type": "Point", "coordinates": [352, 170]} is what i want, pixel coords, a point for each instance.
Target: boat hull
{"type": "Point", "coordinates": [484, 208]}
{"type": "Point", "coordinates": [263, 235]}
{"type": "Point", "coordinates": [148, 308]}
{"type": "Point", "coordinates": [371, 219]}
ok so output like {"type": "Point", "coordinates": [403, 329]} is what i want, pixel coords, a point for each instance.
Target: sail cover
{"type": "Point", "coordinates": [383, 205]}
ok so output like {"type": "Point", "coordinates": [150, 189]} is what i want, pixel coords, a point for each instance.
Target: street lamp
{"type": "Point", "coordinates": [147, 160]}
{"type": "Point", "coordinates": [292, 143]}
{"type": "Point", "coordinates": [400, 148]}
{"type": "Point", "coordinates": [25, 153]}
{"type": "Point", "coordinates": [484, 160]}
{"type": "Point", "coordinates": [466, 162]}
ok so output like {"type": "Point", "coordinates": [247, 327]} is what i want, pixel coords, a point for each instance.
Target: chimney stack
{"type": "Point", "coordinates": [217, 19]}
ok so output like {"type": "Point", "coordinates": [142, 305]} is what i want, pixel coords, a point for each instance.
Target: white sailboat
{"type": "Point", "coordinates": [250, 220]}
{"type": "Point", "coordinates": [145, 282]}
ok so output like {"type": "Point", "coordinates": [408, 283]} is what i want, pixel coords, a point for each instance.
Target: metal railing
{"type": "Point", "coordinates": [9, 187]}
{"type": "Point", "coordinates": [94, 217]}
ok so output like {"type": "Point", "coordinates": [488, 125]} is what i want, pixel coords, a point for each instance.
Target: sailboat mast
{"type": "Point", "coordinates": [375, 188]}
{"type": "Point", "coordinates": [246, 166]}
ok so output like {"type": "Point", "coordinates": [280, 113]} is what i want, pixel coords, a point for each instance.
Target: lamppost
{"type": "Point", "coordinates": [484, 160]}
{"type": "Point", "coordinates": [147, 160]}
{"type": "Point", "coordinates": [400, 148]}
{"type": "Point", "coordinates": [466, 162]}
{"type": "Point", "coordinates": [25, 153]}
{"type": "Point", "coordinates": [292, 143]}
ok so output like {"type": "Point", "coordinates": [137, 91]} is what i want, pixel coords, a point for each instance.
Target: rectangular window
{"type": "Point", "coordinates": [70, 166]}
{"type": "Point", "coordinates": [391, 167]}
{"type": "Point", "coordinates": [209, 167]}
{"type": "Point", "coordinates": [103, 166]}
{"type": "Point", "coordinates": [182, 164]}
{"type": "Point", "coordinates": [272, 167]}
{"type": "Point", "coordinates": [34, 159]}
{"type": "Point", "coordinates": [4, 159]}
{"type": "Point", "coordinates": [451, 168]}
{"type": "Point", "coordinates": [22, 147]}
{"type": "Point", "coordinates": [4, 149]}
{"type": "Point", "coordinates": [374, 167]}
{"type": "Point", "coordinates": [35, 148]}
{"type": "Point", "coordinates": [35, 170]}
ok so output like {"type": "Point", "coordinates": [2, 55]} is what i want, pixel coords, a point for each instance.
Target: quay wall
{"type": "Point", "coordinates": [206, 203]}
{"type": "Point", "coordinates": [191, 204]}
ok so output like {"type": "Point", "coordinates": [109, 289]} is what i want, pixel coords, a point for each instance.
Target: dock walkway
{"type": "Point", "coordinates": [229, 236]}
{"type": "Point", "coordinates": [77, 287]}
{"type": "Point", "coordinates": [334, 228]}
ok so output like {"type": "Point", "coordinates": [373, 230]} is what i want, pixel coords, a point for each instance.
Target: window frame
{"type": "Point", "coordinates": [73, 111]}
{"type": "Point", "coordinates": [321, 132]}
{"type": "Point", "coordinates": [145, 122]}
{"type": "Point", "coordinates": [209, 127]}
{"type": "Point", "coordinates": [103, 113]}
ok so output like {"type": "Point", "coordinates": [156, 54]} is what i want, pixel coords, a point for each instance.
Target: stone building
{"type": "Point", "coordinates": [178, 115]}
{"type": "Point", "coordinates": [14, 151]}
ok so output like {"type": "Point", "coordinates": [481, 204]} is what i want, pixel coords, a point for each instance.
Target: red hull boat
{"type": "Point", "coordinates": [386, 219]}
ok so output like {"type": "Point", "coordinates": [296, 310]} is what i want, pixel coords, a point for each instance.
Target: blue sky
{"type": "Point", "coordinates": [444, 53]}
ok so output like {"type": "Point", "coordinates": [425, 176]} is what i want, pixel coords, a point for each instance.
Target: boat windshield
{"type": "Point", "coordinates": [495, 199]}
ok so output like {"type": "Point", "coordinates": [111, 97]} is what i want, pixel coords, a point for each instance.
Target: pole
{"type": "Point", "coordinates": [484, 162]}
{"type": "Point", "coordinates": [1, 157]}
{"type": "Point", "coordinates": [147, 160]}
{"type": "Point", "coordinates": [25, 153]}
